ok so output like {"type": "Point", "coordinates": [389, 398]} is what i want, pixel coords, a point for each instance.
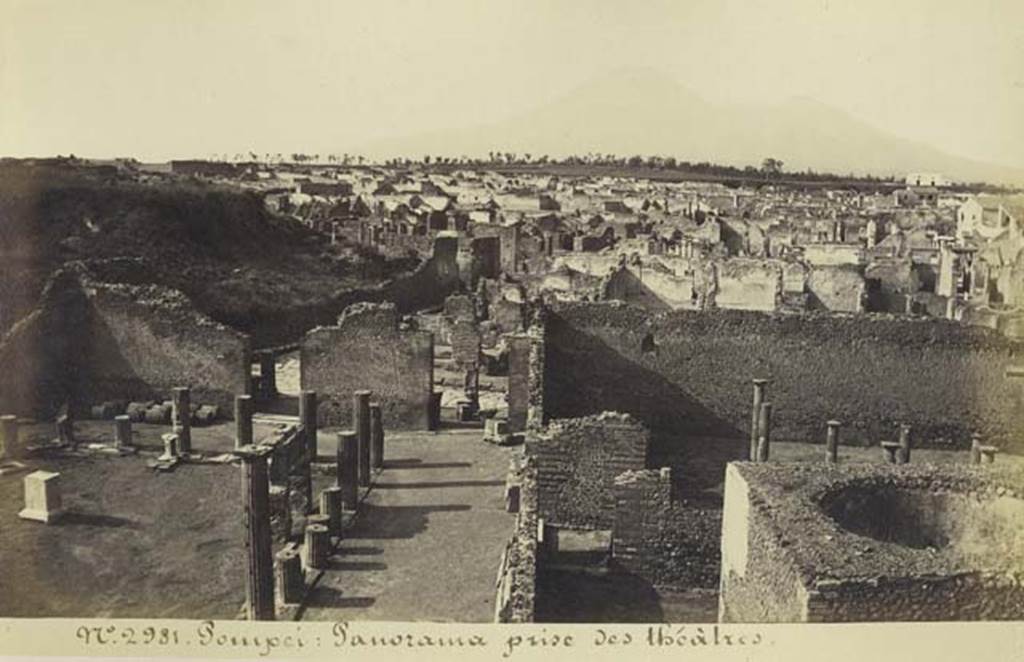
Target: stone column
{"type": "Point", "coordinates": [348, 458]}
{"type": "Point", "coordinates": [123, 431]}
{"type": "Point", "coordinates": [181, 418]}
{"type": "Point", "coordinates": [9, 445]}
{"type": "Point", "coordinates": [376, 436]}
{"type": "Point", "coordinates": [361, 421]}
{"type": "Point", "coordinates": [976, 449]}
{"type": "Point", "coordinates": [760, 385]}
{"type": "Point", "coordinates": [268, 374]}
{"type": "Point", "coordinates": [291, 583]}
{"type": "Point", "coordinates": [307, 418]}
{"type": "Point", "coordinates": [317, 547]}
{"type": "Point", "coordinates": [260, 562]}
{"type": "Point", "coordinates": [832, 442]}
{"type": "Point", "coordinates": [330, 505]}
{"type": "Point", "coordinates": [243, 421]}
{"type": "Point", "coordinates": [903, 457]}
{"type": "Point", "coordinates": [764, 428]}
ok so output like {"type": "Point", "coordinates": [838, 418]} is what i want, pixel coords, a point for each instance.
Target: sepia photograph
{"type": "Point", "coordinates": [687, 318]}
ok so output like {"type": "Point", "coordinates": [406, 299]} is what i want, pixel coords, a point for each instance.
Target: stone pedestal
{"type": "Point", "coordinates": [330, 506]}
{"type": "Point", "coordinates": [317, 548]}
{"type": "Point", "coordinates": [42, 497]}
{"type": "Point", "coordinates": [170, 447]}
{"type": "Point", "coordinates": [181, 418]}
{"type": "Point", "coordinates": [361, 421]}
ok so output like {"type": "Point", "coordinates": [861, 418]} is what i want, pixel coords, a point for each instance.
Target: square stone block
{"type": "Point", "coordinates": [42, 497]}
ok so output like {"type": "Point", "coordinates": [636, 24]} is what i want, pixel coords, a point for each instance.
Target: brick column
{"type": "Point", "coordinates": [832, 442]}
{"type": "Point", "coordinates": [361, 421]}
{"type": "Point", "coordinates": [259, 575]}
{"type": "Point", "coordinates": [348, 470]}
{"type": "Point", "coordinates": [376, 436]}
{"type": "Point", "coordinates": [760, 385]}
{"type": "Point", "coordinates": [243, 421]}
{"type": "Point", "coordinates": [9, 444]}
{"type": "Point", "coordinates": [122, 431]}
{"type": "Point", "coordinates": [307, 418]}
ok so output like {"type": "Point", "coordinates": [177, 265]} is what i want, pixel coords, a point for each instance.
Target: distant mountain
{"type": "Point", "coordinates": [643, 112]}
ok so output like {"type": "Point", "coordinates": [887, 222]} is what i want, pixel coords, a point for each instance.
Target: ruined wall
{"type": "Point", "coordinates": [861, 542]}
{"type": "Point", "coordinates": [525, 381]}
{"type": "Point", "coordinates": [366, 350]}
{"type": "Point", "coordinates": [836, 288]}
{"type": "Point", "coordinates": [89, 342]}
{"type": "Point", "coordinates": [688, 373]}
{"type": "Point", "coordinates": [577, 463]}
{"type": "Point", "coordinates": [660, 537]}
{"type": "Point", "coordinates": [744, 284]}
{"type": "Point", "coordinates": [517, 572]}
{"type": "Point", "coordinates": [651, 288]}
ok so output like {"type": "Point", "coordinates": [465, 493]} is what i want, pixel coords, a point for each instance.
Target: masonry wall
{"type": "Point", "coordinates": [759, 582]}
{"type": "Point", "coordinates": [577, 463]}
{"type": "Point", "coordinates": [366, 350]}
{"type": "Point", "coordinates": [660, 537]}
{"type": "Point", "coordinates": [89, 342]}
{"type": "Point", "coordinates": [525, 381]}
{"type": "Point", "coordinates": [516, 584]}
{"type": "Point", "coordinates": [692, 376]}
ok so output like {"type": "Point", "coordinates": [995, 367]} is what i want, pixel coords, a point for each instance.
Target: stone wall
{"type": "Point", "coordinates": [89, 342]}
{"type": "Point", "coordinates": [367, 350]}
{"type": "Point", "coordinates": [660, 537]}
{"type": "Point", "coordinates": [810, 543]}
{"type": "Point", "coordinates": [517, 573]}
{"type": "Point", "coordinates": [577, 463]}
{"type": "Point", "coordinates": [525, 381]}
{"type": "Point", "coordinates": [688, 373]}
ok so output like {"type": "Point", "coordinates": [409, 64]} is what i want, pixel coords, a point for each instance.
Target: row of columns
{"type": "Point", "coordinates": [359, 451]}
{"type": "Point", "coordinates": [897, 452]}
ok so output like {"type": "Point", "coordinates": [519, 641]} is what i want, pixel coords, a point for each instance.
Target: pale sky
{"type": "Point", "coordinates": [174, 78]}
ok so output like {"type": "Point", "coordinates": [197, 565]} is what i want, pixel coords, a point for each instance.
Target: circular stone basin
{"type": "Point", "coordinates": [986, 529]}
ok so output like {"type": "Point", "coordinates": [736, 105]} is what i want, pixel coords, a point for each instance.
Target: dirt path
{"type": "Point", "coordinates": [428, 540]}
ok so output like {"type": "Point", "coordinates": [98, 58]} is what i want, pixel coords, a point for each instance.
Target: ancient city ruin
{"type": "Point", "coordinates": [604, 375]}
{"type": "Point", "coordinates": [604, 446]}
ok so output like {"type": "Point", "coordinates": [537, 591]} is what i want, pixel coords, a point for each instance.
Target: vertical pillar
{"type": "Point", "coordinates": [259, 588]}
{"type": "Point", "coordinates": [361, 421]}
{"type": "Point", "coordinates": [290, 581]}
{"type": "Point", "coordinates": [330, 505]}
{"type": "Point", "coordinates": [832, 442]}
{"type": "Point", "coordinates": [764, 436]}
{"type": "Point", "coordinates": [759, 392]}
{"type": "Point", "coordinates": [376, 436]}
{"type": "Point", "coordinates": [123, 431]}
{"type": "Point", "coordinates": [268, 374]}
{"type": "Point", "coordinates": [976, 449]}
{"type": "Point", "coordinates": [903, 456]}
{"type": "Point", "coordinates": [307, 418]}
{"type": "Point", "coordinates": [347, 469]}
{"type": "Point", "coordinates": [243, 421]}
{"type": "Point", "coordinates": [9, 446]}
{"type": "Point", "coordinates": [181, 415]}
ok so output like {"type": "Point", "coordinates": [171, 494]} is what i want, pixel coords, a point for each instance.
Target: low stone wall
{"type": "Point", "coordinates": [806, 543]}
{"type": "Point", "coordinates": [517, 574]}
{"type": "Point", "coordinates": [366, 350]}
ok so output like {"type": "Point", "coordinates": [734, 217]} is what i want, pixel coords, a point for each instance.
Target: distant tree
{"type": "Point", "coordinates": [670, 162]}
{"type": "Point", "coordinates": [635, 161]}
{"type": "Point", "coordinates": [771, 166]}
